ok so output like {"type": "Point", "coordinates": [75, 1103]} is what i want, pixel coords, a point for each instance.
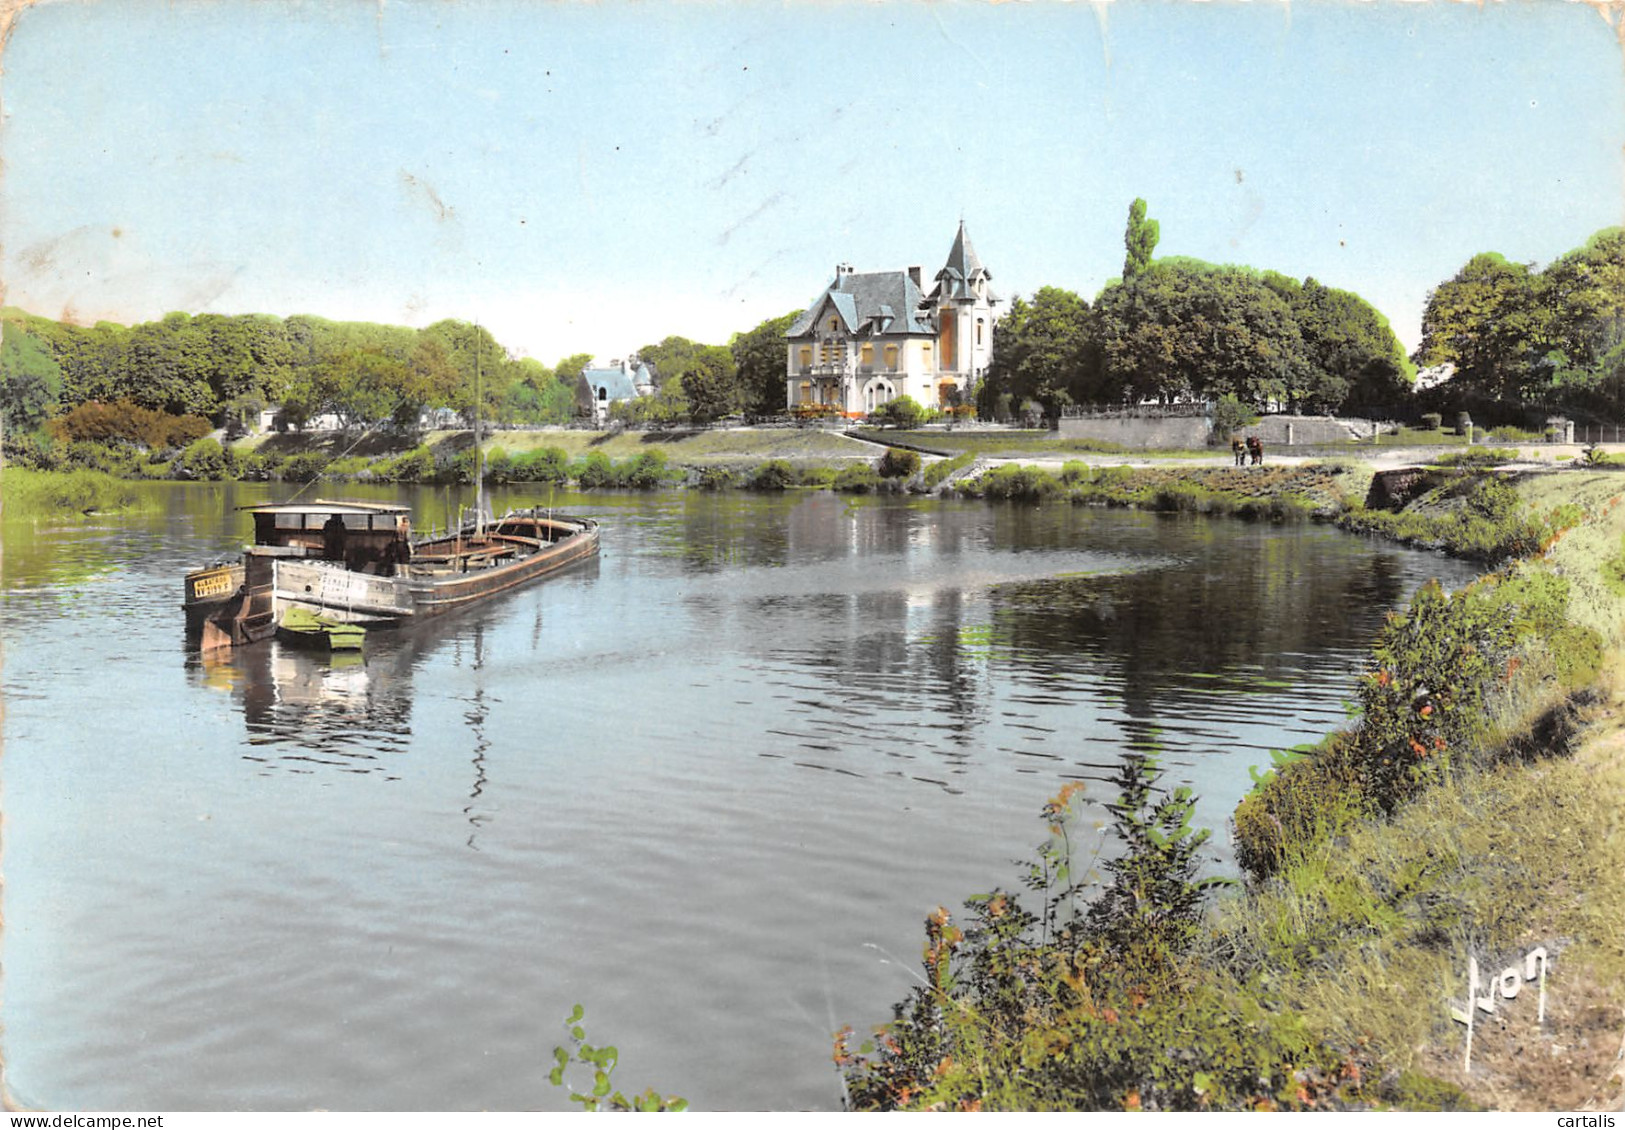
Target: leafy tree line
{"type": "Point", "coordinates": [1178, 329]}
{"type": "Point", "coordinates": [227, 368]}
{"type": "Point", "coordinates": [699, 383]}
{"type": "Point", "coordinates": [1553, 337]}
{"type": "Point", "coordinates": [230, 367]}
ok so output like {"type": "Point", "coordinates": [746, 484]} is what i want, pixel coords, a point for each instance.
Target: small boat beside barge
{"type": "Point", "coordinates": [357, 563]}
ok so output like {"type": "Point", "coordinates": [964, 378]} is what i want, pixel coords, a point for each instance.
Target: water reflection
{"type": "Point", "coordinates": [306, 711]}
{"type": "Point", "coordinates": [696, 780]}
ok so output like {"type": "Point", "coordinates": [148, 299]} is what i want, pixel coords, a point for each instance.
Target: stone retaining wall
{"type": "Point", "coordinates": [1137, 432]}
{"type": "Point", "coordinates": [1192, 431]}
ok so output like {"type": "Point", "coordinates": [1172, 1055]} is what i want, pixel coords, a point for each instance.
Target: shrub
{"type": "Point", "coordinates": [602, 1062]}
{"type": "Point", "coordinates": [818, 477]}
{"type": "Point", "coordinates": [117, 459]}
{"type": "Point", "coordinates": [127, 421]}
{"type": "Point", "coordinates": [1074, 471]}
{"type": "Point", "coordinates": [1055, 1009]}
{"type": "Point", "coordinates": [857, 479]}
{"type": "Point", "coordinates": [498, 465]}
{"type": "Point", "coordinates": [1476, 456]}
{"type": "Point", "coordinates": [414, 466]}
{"type": "Point", "coordinates": [1230, 415]}
{"type": "Point", "coordinates": [256, 467]}
{"type": "Point", "coordinates": [349, 465]}
{"type": "Point", "coordinates": [203, 459]}
{"type": "Point", "coordinates": [775, 474]}
{"type": "Point", "coordinates": [544, 465]}
{"type": "Point", "coordinates": [594, 471]}
{"type": "Point", "coordinates": [305, 467]}
{"type": "Point", "coordinates": [1309, 795]}
{"type": "Point", "coordinates": [1432, 421]}
{"type": "Point", "coordinates": [940, 470]}
{"type": "Point", "coordinates": [901, 412]}
{"type": "Point", "coordinates": [646, 470]}
{"type": "Point", "coordinates": [35, 450]}
{"type": "Point", "coordinates": [717, 478]}
{"type": "Point", "coordinates": [898, 463]}
{"type": "Point", "coordinates": [1014, 482]}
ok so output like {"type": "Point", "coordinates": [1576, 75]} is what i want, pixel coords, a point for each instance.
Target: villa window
{"type": "Point", "coordinates": [978, 331]}
{"type": "Point", "coordinates": [868, 356]}
{"type": "Point", "coordinates": [891, 357]}
{"type": "Point", "coordinates": [806, 356]}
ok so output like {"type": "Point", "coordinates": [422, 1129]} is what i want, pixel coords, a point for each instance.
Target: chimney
{"type": "Point", "coordinates": [914, 273]}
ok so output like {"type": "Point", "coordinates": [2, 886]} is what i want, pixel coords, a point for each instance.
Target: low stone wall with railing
{"type": "Point", "coordinates": [1181, 426]}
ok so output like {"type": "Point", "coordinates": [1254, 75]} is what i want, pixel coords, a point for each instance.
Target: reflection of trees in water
{"type": "Point", "coordinates": [717, 532]}
{"type": "Point", "coordinates": [1252, 601]}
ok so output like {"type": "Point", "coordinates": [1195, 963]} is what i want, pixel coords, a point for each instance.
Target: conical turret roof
{"type": "Point", "coordinates": [959, 274]}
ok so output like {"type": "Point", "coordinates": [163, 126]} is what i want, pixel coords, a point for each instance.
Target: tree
{"type": "Point", "coordinates": [1490, 322]}
{"type": "Point", "coordinates": [1185, 329]}
{"type": "Point", "coordinates": [169, 366]}
{"type": "Point", "coordinates": [1357, 359]}
{"type": "Point", "coordinates": [670, 359]}
{"type": "Point", "coordinates": [30, 379]}
{"type": "Point", "coordinates": [1041, 351]}
{"type": "Point", "coordinates": [363, 387]}
{"type": "Point", "coordinates": [1140, 240]}
{"type": "Point", "coordinates": [710, 383]}
{"type": "Point", "coordinates": [759, 359]}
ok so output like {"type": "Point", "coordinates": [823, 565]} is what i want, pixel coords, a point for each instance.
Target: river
{"type": "Point", "coordinates": [708, 786]}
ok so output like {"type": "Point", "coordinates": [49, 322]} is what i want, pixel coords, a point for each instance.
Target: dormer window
{"type": "Point", "coordinates": [834, 325]}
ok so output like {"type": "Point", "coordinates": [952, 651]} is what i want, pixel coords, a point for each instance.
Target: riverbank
{"type": "Point", "coordinates": [26, 492]}
{"type": "Point", "coordinates": [1471, 814]}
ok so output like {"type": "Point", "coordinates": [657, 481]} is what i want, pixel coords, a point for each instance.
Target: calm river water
{"type": "Point", "coordinates": [708, 786]}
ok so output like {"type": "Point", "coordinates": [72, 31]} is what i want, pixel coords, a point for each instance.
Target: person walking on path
{"type": "Point", "coordinates": [1255, 448]}
{"type": "Point", "coordinates": [1239, 450]}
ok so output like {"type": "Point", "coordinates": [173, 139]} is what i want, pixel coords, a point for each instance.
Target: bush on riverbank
{"type": "Point", "coordinates": [1103, 1007]}
{"type": "Point", "coordinates": [1473, 517]}
{"type": "Point", "coordinates": [1273, 494]}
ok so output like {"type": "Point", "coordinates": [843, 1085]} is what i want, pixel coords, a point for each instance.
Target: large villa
{"type": "Point", "coordinates": [871, 337]}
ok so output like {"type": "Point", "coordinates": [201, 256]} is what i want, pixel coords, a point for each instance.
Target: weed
{"type": "Point", "coordinates": [602, 1062]}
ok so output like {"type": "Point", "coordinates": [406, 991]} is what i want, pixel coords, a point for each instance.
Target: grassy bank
{"type": "Point", "coordinates": [697, 448]}
{"type": "Point", "coordinates": [30, 493]}
{"type": "Point", "coordinates": [1275, 491]}
{"type": "Point", "coordinates": [1035, 443]}
{"type": "Point", "coordinates": [1470, 811]}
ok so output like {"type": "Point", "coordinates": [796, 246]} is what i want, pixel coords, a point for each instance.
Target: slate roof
{"type": "Point", "coordinates": [877, 304]}
{"type": "Point", "coordinates": [958, 275]}
{"type": "Point", "coordinates": [617, 382]}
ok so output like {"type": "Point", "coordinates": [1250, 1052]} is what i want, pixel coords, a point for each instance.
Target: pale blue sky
{"type": "Point", "coordinates": [593, 176]}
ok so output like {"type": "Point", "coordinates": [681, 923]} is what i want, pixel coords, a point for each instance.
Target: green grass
{"type": "Point", "coordinates": [684, 447]}
{"type": "Point", "coordinates": [1008, 444]}
{"type": "Point", "coordinates": [41, 493]}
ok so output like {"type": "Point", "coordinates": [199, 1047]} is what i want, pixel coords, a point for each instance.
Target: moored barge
{"type": "Point", "coordinates": [357, 563]}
